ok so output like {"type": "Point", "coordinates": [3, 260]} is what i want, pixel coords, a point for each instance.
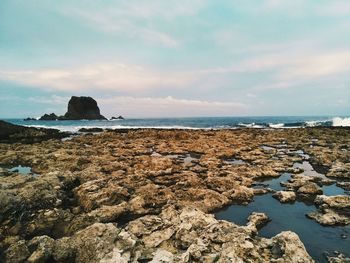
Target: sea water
{"type": "Point", "coordinates": [191, 123]}
{"type": "Point", "coordinates": [317, 239]}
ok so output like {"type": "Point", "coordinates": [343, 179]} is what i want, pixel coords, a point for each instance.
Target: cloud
{"type": "Point", "coordinates": [169, 107]}
{"type": "Point", "coordinates": [321, 65]}
{"type": "Point", "coordinates": [141, 20]}
{"type": "Point", "coordinates": [335, 8]}
{"type": "Point", "coordinates": [130, 107]}
{"type": "Point", "coordinates": [281, 70]}
{"type": "Point", "coordinates": [127, 29]}
{"type": "Point", "coordinates": [112, 77]}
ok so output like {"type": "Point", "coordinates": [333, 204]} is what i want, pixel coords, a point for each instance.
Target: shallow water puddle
{"type": "Point", "coordinates": [190, 157]}
{"type": "Point", "coordinates": [267, 148]}
{"type": "Point", "coordinates": [155, 154]}
{"type": "Point", "coordinates": [300, 153]}
{"type": "Point", "coordinates": [235, 161]}
{"type": "Point", "coordinates": [333, 190]}
{"type": "Point", "coordinates": [317, 239]}
{"type": "Point", "coordinates": [308, 169]}
{"type": "Point", "coordinates": [22, 170]}
{"type": "Point", "coordinates": [274, 183]}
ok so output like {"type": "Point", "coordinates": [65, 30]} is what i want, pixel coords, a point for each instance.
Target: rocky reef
{"type": "Point", "coordinates": [148, 195]}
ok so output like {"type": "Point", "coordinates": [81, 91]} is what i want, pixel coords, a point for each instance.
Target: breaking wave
{"type": "Point", "coordinates": [341, 122]}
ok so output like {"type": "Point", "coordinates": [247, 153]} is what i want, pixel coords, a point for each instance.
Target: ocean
{"type": "Point", "coordinates": [193, 123]}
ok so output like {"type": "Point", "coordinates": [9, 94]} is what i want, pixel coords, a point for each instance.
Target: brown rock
{"type": "Point", "coordinates": [285, 196]}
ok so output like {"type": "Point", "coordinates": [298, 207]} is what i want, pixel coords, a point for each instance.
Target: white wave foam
{"type": "Point", "coordinates": [277, 125]}
{"type": "Point", "coordinates": [312, 123]}
{"type": "Point", "coordinates": [250, 125]}
{"type": "Point", "coordinates": [73, 129]}
{"type": "Point", "coordinates": [341, 122]}
{"type": "Point", "coordinates": [316, 123]}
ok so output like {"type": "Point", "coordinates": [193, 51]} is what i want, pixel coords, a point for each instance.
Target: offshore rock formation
{"type": "Point", "coordinates": [83, 108]}
{"type": "Point", "coordinates": [49, 117]}
{"type": "Point", "coordinates": [117, 118]}
{"type": "Point", "coordinates": [79, 108]}
{"type": "Point", "coordinates": [148, 194]}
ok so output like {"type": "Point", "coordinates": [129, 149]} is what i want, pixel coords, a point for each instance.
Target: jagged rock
{"type": "Point", "coordinates": [83, 108]}
{"type": "Point", "coordinates": [63, 250]}
{"type": "Point", "coordinates": [335, 202]}
{"type": "Point", "coordinates": [333, 210]}
{"type": "Point", "coordinates": [338, 259]}
{"type": "Point", "coordinates": [29, 119]}
{"type": "Point", "coordinates": [344, 185]}
{"type": "Point", "coordinates": [102, 243]}
{"type": "Point", "coordinates": [17, 252]}
{"type": "Point", "coordinates": [91, 130]}
{"type": "Point", "coordinates": [202, 237]}
{"type": "Point", "coordinates": [49, 117]}
{"type": "Point", "coordinates": [118, 118]}
{"type": "Point", "coordinates": [287, 247]}
{"type": "Point", "coordinates": [285, 196]}
{"type": "Point", "coordinates": [156, 200]}
{"type": "Point", "coordinates": [310, 188]}
{"type": "Point", "coordinates": [42, 246]}
{"type": "Point", "coordinates": [329, 217]}
{"type": "Point", "coordinates": [256, 221]}
{"type": "Point", "coordinates": [162, 256]}
{"type": "Point", "coordinates": [339, 170]}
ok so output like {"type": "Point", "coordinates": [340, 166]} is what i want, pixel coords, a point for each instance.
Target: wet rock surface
{"type": "Point", "coordinates": [111, 194]}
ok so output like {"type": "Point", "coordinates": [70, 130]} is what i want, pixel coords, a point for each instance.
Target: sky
{"type": "Point", "coordinates": [176, 58]}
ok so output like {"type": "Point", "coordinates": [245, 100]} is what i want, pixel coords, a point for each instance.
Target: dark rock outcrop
{"type": "Point", "coordinates": [10, 133]}
{"type": "Point", "coordinates": [82, 108]}
{"type": "Point", "coordinates": [118, 118]}
{"type": "Point", "coordinates": [49, 117]}
{"type": "Point", "coordinates": [29, 119]}
{"type": "Point", "coordinates": [91, 130]}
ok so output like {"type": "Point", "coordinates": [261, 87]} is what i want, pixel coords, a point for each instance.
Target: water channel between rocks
{"type": "Point", "coordinates": [317, 239]}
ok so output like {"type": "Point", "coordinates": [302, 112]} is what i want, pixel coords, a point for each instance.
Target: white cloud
{"type": "Point", "coordinates": [137, 106]}
{"type": "Point", "coordinates": [138, 20]}
{"type": "Point", "coordinates": [112, 77]}
{"type": "Point", "coordinates": [283, 70]}
{"type": "Point", "coordinates": [169, 107]}
{"type": "Point", "coordinates": [334, 8]}
{"type": "Point", "coordinates": [321, 65]}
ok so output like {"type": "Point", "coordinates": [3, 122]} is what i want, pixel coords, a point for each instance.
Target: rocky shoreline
{"type": "Point", "coordinates": [147, 195]}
